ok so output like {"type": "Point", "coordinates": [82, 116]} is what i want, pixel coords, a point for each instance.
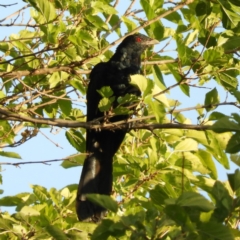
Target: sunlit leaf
{"type": "Point", "coordinates": [234, 180]}
{"type": "Point", "coordinates": [193, 199]}
{"type": "Point", "coordinates": [29, 211]}
{"type": "Point", "coordinates": [187, 145]}
{"type": "Point", "coordinates": [10, 154]}
{"type": "Point", "coordinates": [225, 125]}
{"type": "Point", "coordinates": [104, 201]}
{"type": "Point", "coordinates": [211, 98]}
{"type": "Point", "coordinates": [46, 8]}
{"type": "Point", "coordinates": [216, 230]}
{"type": "Point", "coordinates": [55, 232]}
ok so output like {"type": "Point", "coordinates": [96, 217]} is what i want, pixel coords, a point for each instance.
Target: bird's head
{"type": "Point", "coordinates": [137, 42]}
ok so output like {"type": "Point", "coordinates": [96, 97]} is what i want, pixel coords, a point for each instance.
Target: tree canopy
{"type": "Point", "coordinates": [166, 183]}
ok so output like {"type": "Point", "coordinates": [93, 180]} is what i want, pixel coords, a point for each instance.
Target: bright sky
{"type": "Point", "coordinates": [19, 179]}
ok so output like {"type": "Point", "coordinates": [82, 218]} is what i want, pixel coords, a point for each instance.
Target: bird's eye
{"type": "Point", "coordinates": [138, 39]}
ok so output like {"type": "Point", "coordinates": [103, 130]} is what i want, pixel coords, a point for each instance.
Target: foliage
{"type": "Point", "coordinates": [165, 178]}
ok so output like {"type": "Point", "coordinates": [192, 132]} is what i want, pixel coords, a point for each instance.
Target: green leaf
{"type": "Point", "coordinates": [102, 231]}
{"type": "Point", "coordinates": [10, 201]}
{"type": "Point", "coordinates": [232, 43]}
{"type": "Point", "coordinates": [86, 226]}
{"type": "Point", "coordinates": [4, 47]}
{"type": "Point", "coordinates": [178, 77]}
{"type": "Point", "coordinates": [127, 98]}
{"type": "Point", "coordinates": [10, 154]}
{"type": "Point", "coordinates": [207, 161]}
{"type": "Point", "coordinates": [83, 37]}
{"type": "Point", "coordinates": [185, 89]}
{"type": "Point", "coordinates": [236, 117]}
{"type": "Point", "coordinates": [156, 29]}
{"type": "Point", "coordinates": [55, 196]}
{"type": "Point", "coordinates": [192, 162]}
{"type": "Point", "coordinates": [216, 116]}
{"type": "Point", "coordinates": [157, 108]}
{"type": "Point", "coordinates": [158, 78]}
{"type": "Point", "coordinates": [231, 13]}
{"type": "Point", "coordinates": [212, 56]}
{"type": "Point", "coordinates": [54, 79]}
{"type": "Point", "coordinates": [29, 211]}
{"type": "Point", "coordinates": [78, 85]}
{"type": "Point", "coordinates": [105, 104]}
{"type": "Point", "coordinates": [205, 38]}
{"type": "Point", "coordinates": [145, 85]}
{"type": "Point", "coordinates": [129, 24]}
{"type": "Point", "coordinates": [185, 53]}
{"type": "Point", "coordinates": [56, 232]}
{"type": "Point", "coordinates": [76, 139]}
{"type": "Point", "coordinates": [97, 22]}
{"type": "Point", "coordinates": [187, 145]}
{"type": "Point", "coordinates": [102, 7]}
{"type": "Point", "coordinates": [233, 145]}
{"type": "Point", "coordinates": [228, 79]}
{"type": "Point", "coordinates": [174, 17]}
{"type": "Point", "coordinates": [105, 92]}
{"type": "Point", "coordinates": [223, 199]}
{"type": "Point", "coordinates": [225, 125]}
{"type": "Point", "coordinates": [176, 213]}
{"type": "Point", "coordinates": [6, 224]}
{"type": "Point", "coordinates": [73, 161]}
{"type": "Point", "coordinates": [201, 9]}
{"type": "Point", "coordinates": [235, 2]}
{"type": "Point", "coordinates": [71, 53]}
{"type": "Point", "coordinates": [104, 201]}
{"type": "Point", "coordinates": [234, 180]}
{"type": "Point", "coordinates": [196, 200]}
{"type": "Point", "coordinates": [65, 105]}
{"type": "Point", "coordinates": [86, 37]}
{"type": "Point", "coordinates": [216, 146]}
{"type": "Point", "coordinates": [158, 195]}
{"type": "Point", "coordinates": [2, 95]}
{"type": "Point", "coordinates": [45, 7]}
{"type": "Point", "coordinates": [211, 98]}
{"type": "Point", "coordinates": [205, 216]}
{"type": "Point", "coordinates": [40, 192]}
{"type": "Point", "coordinates": [236, 159]}
{"type": "Point", "coordinates": [214, 230]}
{"type": "Point", "coordinates": [121, 110]}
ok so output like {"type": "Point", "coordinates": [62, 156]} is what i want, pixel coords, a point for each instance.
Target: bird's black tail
{"type": "Point", "coordinates": [96, 177]}
{"type": "Point", "coordinates": [96, 174]}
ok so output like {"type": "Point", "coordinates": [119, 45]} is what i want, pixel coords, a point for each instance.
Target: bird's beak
{"type": "Point", "coordinates": [150, 42]}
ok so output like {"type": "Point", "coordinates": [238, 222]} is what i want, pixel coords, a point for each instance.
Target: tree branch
{"type": "Point", "coordinates": [46, 162]}
{"type": "Point", "coordinates": [69, 69]}
{"type": "Point", "coordinates": [7, 5]}
{"type": "Point", "coordinates": [16, 13]}
{"type": "Point", "coordinates": [5, 115]}
{"type": "Point", "coordinates": [138, 122]}
{"type": "Point", "coordinates": [21, 163]}
{"type": "Point", "coordinates": [43, 71]}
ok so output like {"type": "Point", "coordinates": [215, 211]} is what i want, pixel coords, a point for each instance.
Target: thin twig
{"type": "Point", "coordinates": [7, 5]}
{"type": "Point", "coordinates": [46, 162]}
{"type": "Point", "coordinates": [56, 144]}
{"type": "Point", "coordinates": [16, 13]}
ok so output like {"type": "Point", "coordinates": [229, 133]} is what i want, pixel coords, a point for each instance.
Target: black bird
{"type": "Point", "coordinates": [101, 146]}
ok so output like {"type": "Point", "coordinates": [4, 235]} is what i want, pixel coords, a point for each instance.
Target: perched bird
{"type": "Point", "coordinates": [102, 145]}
